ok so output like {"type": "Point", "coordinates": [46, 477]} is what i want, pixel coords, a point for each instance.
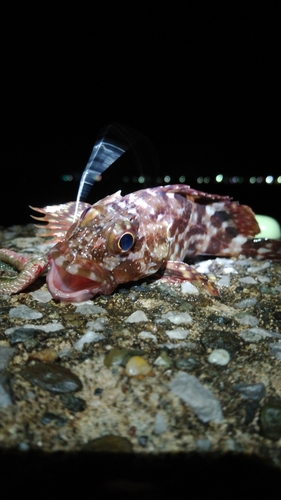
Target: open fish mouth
{"type": "Point", "coordinates": [70, 282]}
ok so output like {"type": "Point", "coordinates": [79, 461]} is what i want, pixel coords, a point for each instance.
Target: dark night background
{"type": "Point", "coordinates": [200, 80]}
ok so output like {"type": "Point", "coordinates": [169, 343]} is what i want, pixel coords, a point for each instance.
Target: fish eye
{"type": "Point", "coordinates": [126, 242]}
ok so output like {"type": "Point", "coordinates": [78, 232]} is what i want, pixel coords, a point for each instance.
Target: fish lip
{"type": "Point", "coordinates": [70, 287]}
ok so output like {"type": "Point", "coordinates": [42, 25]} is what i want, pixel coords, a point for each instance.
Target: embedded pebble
{"type": "Point", "coordinates": [136, 317]}
{"type": "Point", "coordinates": [109, 444]}
{"type": "Point", "coordinates": [187, 363]}
{"type": "Point", "coordinates": [257, 269]}
{"type": "Point", "coordinates": [247, 319]}
{"type": "Point", "coordinates": [6, 354]}
{"type": "Point", "coordinates": [219, 357]}
{"type": "Point", "coordinates": [49, 327]}
{"type": "Point", "coordinates": [270, 419]}
{"type": "Point", "coordinates": [24, 312]}
{"type": "Point", "coordinates": [249, 302]}
{"type": "Point", "coordinates": [263, 279]}
{"type": "Point", "coordinates": [88, 338]}
{"type": "Point", "coordinates": [177, 318]}
{"type": "Point", "coordinates": [73, 403]}
{"type": "Point", "coordinates": [98, 325]}
{"type": "Point", "coordinates": [202, 401]}
{"type": "Point", "coordinates": [160, 424]}
{"type": "Point", "coordinates": [177, 334]}
{"type": "Point", "coordinates": [248, 280]}
{"type": "Point", "coordinates": [204, 444]}
{"type": "Point", "coordinates": [147, 336]}
{"type": "Point", "coordinates": [163, 360]}
{"type": "Point", "coordinates": [254, 392]}
{"type": "Point", "coordinates": [21, 335]}
{"type": "Point", "coordinates": [88, 307]}
{"type": "Point", "coordinates": [276, 350]}
{"type": "Point", "coordinates": [224, 281]}
{"type": "Point", "coordinates": [255, 334]}
{"type": "Point", "coordinates": [5, 392]}
{"type": "Point", "coordinates": [52, 377]}
{"type": "Point", "coordinates": [137, 366]}
{"type": "Point", "coordinates": [43, 296]}
{"type": "Point", "coordinates": [187, 287]}
{"type": "Point", "coordinates": [46, 355]}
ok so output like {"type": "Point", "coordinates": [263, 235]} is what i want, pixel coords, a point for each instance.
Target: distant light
{"type": "Point", "coordinates": [126, 178]}
{"type": "Point", "coordinates": [141, 179]}
{"type": "Point", "coordinates": [159, 180]}
{"type": "Point", "coordinates": [269, 179]}
{"type": "Point", "coordinates": [182, 178]}
{"type": "Point", "coordinates": [259, 180]}
{"type": "Point", "coordinates": [67, 177]}
{"type": "Point", "coordinates": [206, 180]}
{"type": "Point", "coordinates": [135, 179]}
{"type": "Point", "coordinates": [279, 179]}
{"type": "Point", "coordinates": [252, 180]}
{"type": "Point", "coordinates": [200, 180]}
{"type": "Point", "coordinates": [219, 178]}
{"type": "Point", "coordinates": [167, 178]}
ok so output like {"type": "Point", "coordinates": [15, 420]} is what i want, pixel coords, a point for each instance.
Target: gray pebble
{"type": "Point", "coordinates": [89, 307]}
{"type": "Point", "coordinates": [251, 391]}
{"type": "Point", "coordinates": [202, 401]}
{"type": "Point", "coordinates": [242, 304]}
{"type": "Point", "coordinates": [247, 319]}
{"type": "Point", "coordinates": [24, 312]}
{"type": "Point", "coordinates": [5, 392]}
{"type": "Point", "coordinates": [6, 354]}
{"type": "Point", "coordinates": [21, 335]}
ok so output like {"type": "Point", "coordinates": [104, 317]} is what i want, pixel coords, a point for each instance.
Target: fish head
{"type": "Point", "coordinates": [106, 247]}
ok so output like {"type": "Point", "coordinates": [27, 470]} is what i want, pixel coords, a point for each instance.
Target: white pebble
{"type": "Point", "coordinates": [248, 280]}
{"type": "Point", "coordinates": [43, 296]}
{"type": "Point", "coordinates": [256, 269]}
{"type": "Point", "coordinates": [224, 281]}
{"type": "Point", "coordinates": [177, 334]}
{"type": "Point", "coordinates": [147, 336]}
{"type": "Point", "coordinates": [87, 339]}
{"type": "Point", "coordinates": [136, 317]}
{"type": "Point", "coordinates": [187, 287]}
{"type": "Point", "coordinates": [219, 357]}
{"type": "Point", "coordinates": [98, 325]}
{"type": "Point", "coordinates": [177, 318]}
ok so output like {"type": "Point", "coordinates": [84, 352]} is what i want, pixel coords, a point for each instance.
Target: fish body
{"type": "Point", "coordinates": [125, 238]}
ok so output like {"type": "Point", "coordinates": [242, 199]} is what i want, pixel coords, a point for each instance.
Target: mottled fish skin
{"type": "Point", "coordinates": [122, 239]}
{"type": "Point", "coordinates": [148, 232]}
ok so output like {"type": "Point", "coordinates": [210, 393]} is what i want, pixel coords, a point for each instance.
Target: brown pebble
{"type": "Point", "coordinates": [109, 443]}
{"type": "Point", "coordinates": [46, 355]}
